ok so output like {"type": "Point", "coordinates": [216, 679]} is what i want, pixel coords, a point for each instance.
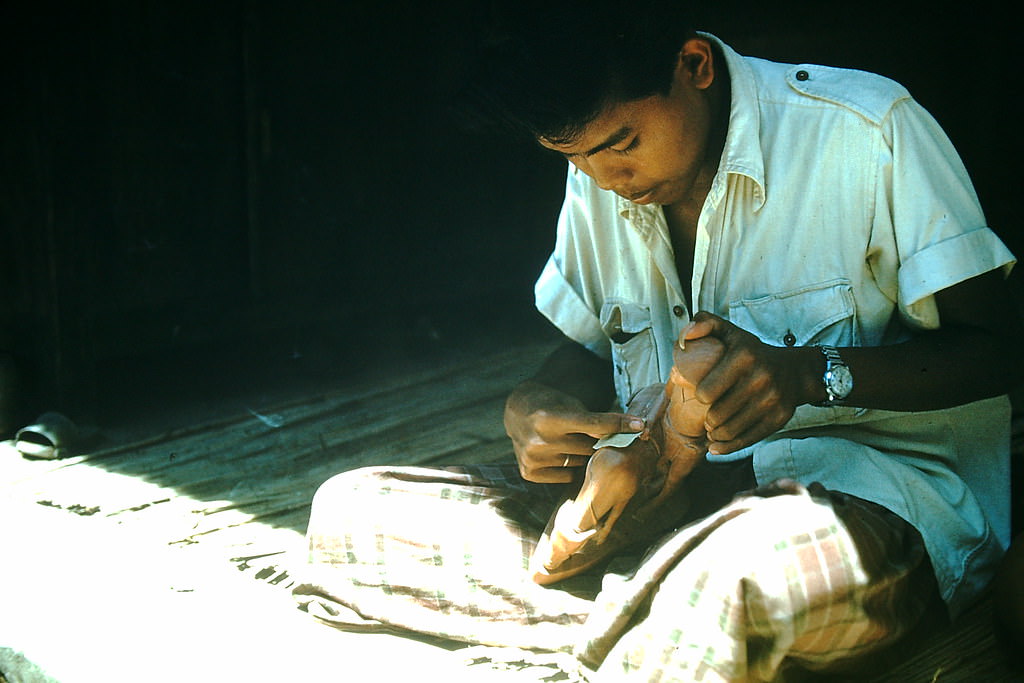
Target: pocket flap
{"type": "Point", "coordinates": [622, 317]}
{"type": "Point", "coordinates": [797, 317]}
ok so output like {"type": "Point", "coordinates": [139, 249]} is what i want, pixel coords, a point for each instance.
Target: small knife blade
{"type": "Point", "coordinates": [623, 439]}
{"type": "Point", "coordinates": [620, 440]}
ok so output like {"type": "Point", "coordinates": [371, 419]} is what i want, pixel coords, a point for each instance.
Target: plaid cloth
{"type": "Point", "coordinates": [779, 576]}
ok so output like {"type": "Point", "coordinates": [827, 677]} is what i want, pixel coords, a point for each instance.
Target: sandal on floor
{"type": "Point", "coordinates": [50, 437]}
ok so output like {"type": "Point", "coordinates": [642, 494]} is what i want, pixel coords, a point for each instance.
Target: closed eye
{"type": "Point", "coordinates": [628, 148]}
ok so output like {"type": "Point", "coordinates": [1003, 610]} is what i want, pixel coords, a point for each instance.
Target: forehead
{"type": "Point", "coordinates": [614, 124]}
{"type": "Point", "coordinates": [611, 121]}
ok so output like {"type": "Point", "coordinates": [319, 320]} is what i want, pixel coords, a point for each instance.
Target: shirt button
{"type": "Point", "coordinates": [789, 339]}
{"type": "Point", "coordinates": [678, 310]}
{"type": "Point", "coordinates": [802, 75]}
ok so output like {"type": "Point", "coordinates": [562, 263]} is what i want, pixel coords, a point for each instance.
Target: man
{"type": "Point", "coordinates": [818, 223]}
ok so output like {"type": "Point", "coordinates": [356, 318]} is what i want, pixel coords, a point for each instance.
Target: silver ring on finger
{"type": "Point", "coordinates": [567, 459]}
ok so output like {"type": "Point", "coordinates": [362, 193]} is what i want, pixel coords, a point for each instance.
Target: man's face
{"type": "Point", "coordinates": [652, 150]}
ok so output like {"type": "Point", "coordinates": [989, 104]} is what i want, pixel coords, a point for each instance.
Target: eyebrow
{"type": "Point", "coordinates": [613, 139]}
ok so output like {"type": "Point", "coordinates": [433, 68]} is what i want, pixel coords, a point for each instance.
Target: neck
{"type": "Point", "coordinates": [719, 99]}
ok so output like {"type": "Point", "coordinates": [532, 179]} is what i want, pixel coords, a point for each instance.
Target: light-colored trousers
{"type": "Point", "coordinates": [777, 577]}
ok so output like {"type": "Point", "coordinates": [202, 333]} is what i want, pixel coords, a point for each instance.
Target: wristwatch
{"type": "Point", "coordinates": [838, 379]}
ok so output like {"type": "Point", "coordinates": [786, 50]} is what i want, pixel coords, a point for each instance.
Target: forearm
{"type": "Point", "coordinates": [974, 355]}
{"type": "Point", "coordinates": [755, 388]}
{"type": "Point", "coordinates": [934, 370]}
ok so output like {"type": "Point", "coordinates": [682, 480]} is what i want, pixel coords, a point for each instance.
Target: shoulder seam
{"type": "Point", "coordinates": [870, 95]}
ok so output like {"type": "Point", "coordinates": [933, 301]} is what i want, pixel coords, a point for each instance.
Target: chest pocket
{"type": "Point", "coordinates": [815, 314]}
{"type": "Point", "coordinates": [823, 313]}
{"type": "Point", "coordinates": [634, 355]}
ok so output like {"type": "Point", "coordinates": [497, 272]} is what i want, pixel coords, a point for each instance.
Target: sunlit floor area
{"type": "Point", "coordinates": [166, 552]}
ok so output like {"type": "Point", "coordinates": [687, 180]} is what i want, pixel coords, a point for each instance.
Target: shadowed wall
{"type": "Point", "coordinates": [269, 177]}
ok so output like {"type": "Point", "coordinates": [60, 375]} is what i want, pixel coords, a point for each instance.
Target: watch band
{"type": "Point", "coordinates": [832, 356]}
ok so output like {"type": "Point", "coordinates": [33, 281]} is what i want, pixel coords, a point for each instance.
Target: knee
{"type": "Point", "coordinates": [344, 489]}
{"type": "Point", "coordinates": [352, 479]}
{"type": "Point", "coordinates": [774, 534]}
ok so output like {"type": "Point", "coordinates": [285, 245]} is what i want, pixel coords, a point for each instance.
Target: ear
{"type": "Point", "coordinates": [696, 63]}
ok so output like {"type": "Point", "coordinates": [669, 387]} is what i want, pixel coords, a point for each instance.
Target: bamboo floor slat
{"type": "Point", "coordinates": [206, 519]}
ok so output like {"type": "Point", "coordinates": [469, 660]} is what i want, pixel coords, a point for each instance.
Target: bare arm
{"type": "Point", "coordinates": [756, 388]}
{"type": "Point", "coordinates": [976, 354]}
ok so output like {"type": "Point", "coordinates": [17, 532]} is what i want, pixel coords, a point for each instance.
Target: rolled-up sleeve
{"type": "Point", "coordinates": [945, 264]}
{"type": "Point", "coordinates": [939, 228]}
{"type": "Point", "coordinates": [560, 303]}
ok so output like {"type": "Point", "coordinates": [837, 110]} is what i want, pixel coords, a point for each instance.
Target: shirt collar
{"type": "Point", "coordinates": [742, 152]}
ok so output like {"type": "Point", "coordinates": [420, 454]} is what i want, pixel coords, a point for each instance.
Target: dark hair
{"type": "Point", "coordinates": [547, 69]}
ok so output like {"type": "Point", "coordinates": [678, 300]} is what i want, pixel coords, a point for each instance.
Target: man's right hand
{"type": "Point", "coordinates": [553, 432]}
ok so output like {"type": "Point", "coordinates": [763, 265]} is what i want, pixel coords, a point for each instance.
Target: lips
{"type": "Point", "coordinates": [641, 197]}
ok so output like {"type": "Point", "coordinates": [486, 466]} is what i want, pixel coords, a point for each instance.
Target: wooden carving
{"type": "Point", "coordinates": [624, 488]}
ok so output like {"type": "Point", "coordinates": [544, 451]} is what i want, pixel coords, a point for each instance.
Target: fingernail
{"type": "Point", "coordinates": [636, 424]}
{"type": "Point", "coordinates": [685, 331]}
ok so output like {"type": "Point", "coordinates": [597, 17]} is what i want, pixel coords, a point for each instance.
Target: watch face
{"type": "Point", "coordinates": [840, 381]}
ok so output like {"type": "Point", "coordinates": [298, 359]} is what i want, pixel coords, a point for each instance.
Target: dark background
{"type": "Point", "coordinates": [196, 191]}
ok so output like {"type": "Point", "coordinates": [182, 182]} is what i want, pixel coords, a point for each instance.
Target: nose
{"type": "Point", "coordinates": [608, 173]}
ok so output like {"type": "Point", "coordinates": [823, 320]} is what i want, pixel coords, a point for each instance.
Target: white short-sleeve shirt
{"type": "Point", "coordinates": [838, 210]}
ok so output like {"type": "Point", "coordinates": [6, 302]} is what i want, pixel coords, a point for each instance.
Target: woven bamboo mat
{"type": "Point", "coordinates": [168, 558]}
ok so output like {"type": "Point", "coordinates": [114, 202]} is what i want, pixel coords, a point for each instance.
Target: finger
{"type": "Point", "coordinates": [704, 323]}
{"type": "Point", "coordinates": [720, 379]}
{"type": "Point", "coordinates": [571, 444]}
{"type": "Point", "coordinates": [553, 475]}
{"type": "Point", "coordinates": [728, 426]}
{"type": "Point", "coordinates": [690, 364]}
{"type": "Point", "coordinates": [730, 410]}
{"type": "Point", "coordinates": [748, 438]}
{"type": "Point", "coordinates": [569, 461]}
{"type": "Point", "coordinates": [564, 470]}
{"type": "Point", "coordinates": [695, 329]}
{"type": "Point", "coordinates": [599, 425]}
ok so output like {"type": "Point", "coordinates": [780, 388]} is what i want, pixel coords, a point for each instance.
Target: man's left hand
{"type": "Point", "coordinates": [754, 388]}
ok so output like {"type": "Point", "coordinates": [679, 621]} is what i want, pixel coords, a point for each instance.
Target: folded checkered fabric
{"type": "Point", "coordinates": [441, 552]}
{"type": "Point", "coordinates": [781, 575]}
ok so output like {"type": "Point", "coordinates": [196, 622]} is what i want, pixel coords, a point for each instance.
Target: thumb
{"type": "Point", "coordinates": [703, 324]}
{"type": "Point", "coordinates": [604, 424]}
